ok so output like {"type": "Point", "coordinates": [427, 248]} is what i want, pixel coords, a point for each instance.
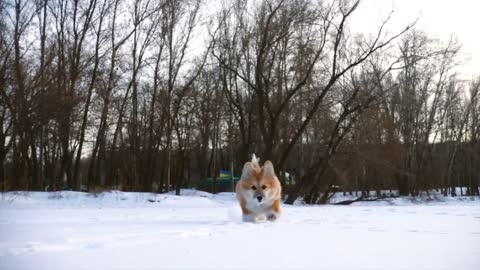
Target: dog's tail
{"type": "Point", "coordinates": [255, 160]}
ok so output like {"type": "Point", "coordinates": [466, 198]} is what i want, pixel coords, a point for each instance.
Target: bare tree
{"type": "Point", "coordinates": [152, 96]}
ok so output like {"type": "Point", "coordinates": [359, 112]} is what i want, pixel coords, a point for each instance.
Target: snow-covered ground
{"type": "Point", "coordinates": [115, 230]}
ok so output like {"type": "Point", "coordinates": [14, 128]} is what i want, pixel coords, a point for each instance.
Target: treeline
{"type": "Point", "coordinates": [148, 95]}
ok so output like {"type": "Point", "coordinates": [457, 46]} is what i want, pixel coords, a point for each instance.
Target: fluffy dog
{"type": "Point", "coordinates": [259, 192]}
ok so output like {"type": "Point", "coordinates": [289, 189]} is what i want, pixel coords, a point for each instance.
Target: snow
{"type": "Point", "coordinates": [198, 230]}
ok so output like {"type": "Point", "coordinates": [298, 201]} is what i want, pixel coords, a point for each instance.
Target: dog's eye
{"type": "Point", "coordinates": [264, 187]}
{"type": "Point", "coordinates": [254, 187]}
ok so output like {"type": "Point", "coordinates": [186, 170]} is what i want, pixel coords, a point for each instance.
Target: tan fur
{"type": "Point", "coordinates": [255, 176]}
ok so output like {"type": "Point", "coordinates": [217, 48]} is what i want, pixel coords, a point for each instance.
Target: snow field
{"type": "Point", "coordinates": [116, 230]}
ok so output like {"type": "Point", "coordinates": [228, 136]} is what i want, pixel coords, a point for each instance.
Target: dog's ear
{"type": "Point", "coordinates": [247, 170]}
{"type": "Point", "coordinates": [268, 169]}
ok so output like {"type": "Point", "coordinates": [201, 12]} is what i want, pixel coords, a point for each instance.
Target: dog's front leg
{"type": "Point", "coordinates": [248, 218]}
{"type": "Point", "coordinates": [256, 218]}
{"type": "Point", "coordinates": [274, 213]}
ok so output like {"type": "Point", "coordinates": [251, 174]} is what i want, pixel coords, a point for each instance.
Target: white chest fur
{"type": "Point", "coordinates": [256, 207]}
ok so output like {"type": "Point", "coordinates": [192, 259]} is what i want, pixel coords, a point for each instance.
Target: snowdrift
{"type": "Point", "coordinates": [199, 230]}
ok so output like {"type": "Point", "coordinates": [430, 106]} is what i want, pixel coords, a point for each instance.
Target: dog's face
{"type": "Point", "coordinates": [260, 185]}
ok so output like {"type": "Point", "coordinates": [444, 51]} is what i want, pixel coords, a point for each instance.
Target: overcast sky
{"type": "Point", "coordinates": [439, 18]}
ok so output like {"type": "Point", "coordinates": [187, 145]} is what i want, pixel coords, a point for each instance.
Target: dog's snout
{"type": "Point", "coordinates": [259, 198]}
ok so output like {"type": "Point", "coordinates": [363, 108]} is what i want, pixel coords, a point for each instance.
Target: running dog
{"type": "Point", "coordinates": [259, 192]}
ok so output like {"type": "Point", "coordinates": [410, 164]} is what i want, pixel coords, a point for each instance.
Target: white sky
{"type": "Point", "coordinates": [439, 18]}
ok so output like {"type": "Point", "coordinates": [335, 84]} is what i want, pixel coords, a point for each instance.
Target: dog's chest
{"type": "Point", "coordinates": [256, 207]}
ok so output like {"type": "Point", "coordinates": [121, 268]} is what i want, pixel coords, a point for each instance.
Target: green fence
{"type": "Point", "coordinates": [223, 184]}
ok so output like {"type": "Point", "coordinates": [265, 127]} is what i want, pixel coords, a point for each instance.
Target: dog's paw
{"type": "Point", "coordinates": [247, 218]}
{"type": "Point", "coordinates": [272, 217]}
